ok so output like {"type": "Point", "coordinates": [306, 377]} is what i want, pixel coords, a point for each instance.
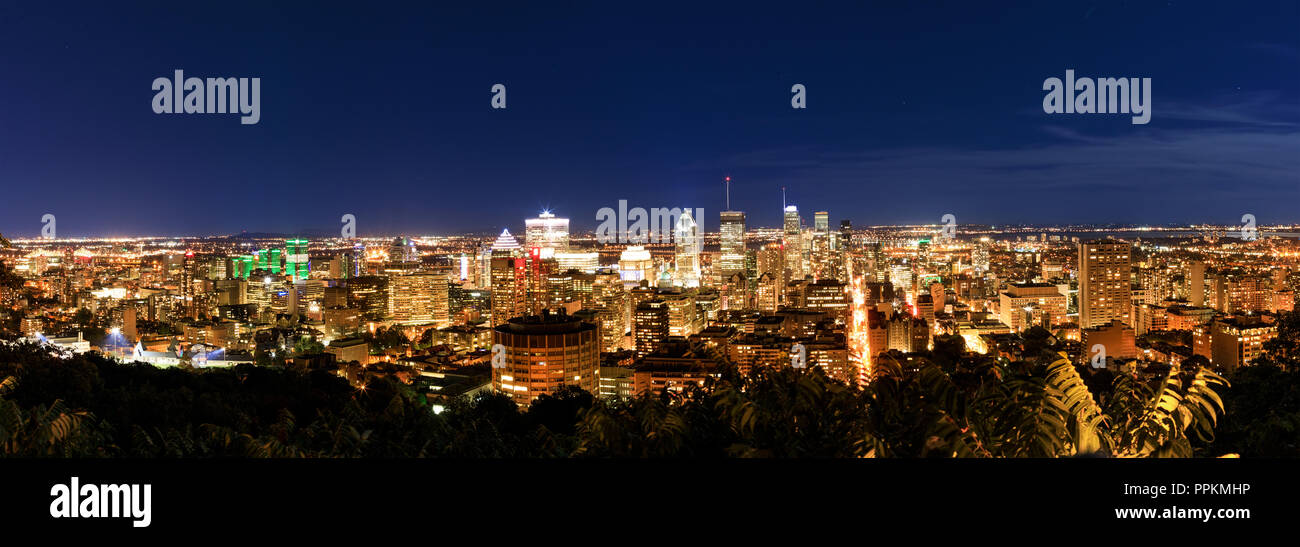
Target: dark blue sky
{"type": "Point", "coordinates": [915, 109]}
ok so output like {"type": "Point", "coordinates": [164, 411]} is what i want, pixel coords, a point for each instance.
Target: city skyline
{"type": "Point", "coordinates": [325, 266]}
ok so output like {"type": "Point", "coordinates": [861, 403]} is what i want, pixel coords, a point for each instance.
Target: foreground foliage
{"type": "Point", "coordinates": [948, 404]}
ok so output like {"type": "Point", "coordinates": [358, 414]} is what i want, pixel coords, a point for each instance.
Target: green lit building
{"type": "Point", "coordinates": [295, 258]}
{"type": "Point", "coordinates": [242, 265]}
{"type": "Point", "coordinates": [269, 259]}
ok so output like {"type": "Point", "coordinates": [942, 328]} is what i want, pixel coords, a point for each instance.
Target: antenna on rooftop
{"type": "Point", "coordinates": [728, 181]}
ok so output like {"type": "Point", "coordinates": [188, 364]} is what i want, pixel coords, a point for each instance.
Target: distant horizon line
{"type": "Point", "coordinates": [834, 227]}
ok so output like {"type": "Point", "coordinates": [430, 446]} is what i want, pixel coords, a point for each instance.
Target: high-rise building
{"type": "Point", "coordinates": [793, 242]}
{"type": "Point", "coordinates": [586, 262]}
{"type": "Point", "coordinates": [689, 242]}
{"type": "Point", "coordinates": [402, 253]}
{"type": "Point", "coordinates": [651, 325]}
{"type": "Point", "coordinates": [1243, 293]}
{"type": "Point", "coordinates": [548, 233]}
{"type": "Point", "coordinates": [242, 266]}
{"type": "Point", "coordinates": [1196, 283]}
{"type": "Point", "coordinates": [770, 260]}
{"type": "Point", "coordinates": [830, 296]}
{"type": "Point", "coordinates": [1104, 284]}
{"type": "Point", "coordinates": [732, 239]}
{"type": "Point", "coordinates": [188, 268]}
{"type": "Point", "coordinates": [768, 294]}
{"type": "Point", "coordinates": [559, 290]}
{"type": "Point", "coordinates": [509, 279]}
{"type": "Point", "coordinates": [735, 292]}
{"type": "Point", "coordinates": [295, 258]}
{"type": "Point", "coordinates": [419, 297]}
{"type": "Point", "coordinates": [269, 260]}
{"type": "Point", "coordinates": [538, 271]}
{"type": "Point", "coordinates": [370, 295]}
{"type": "Point", "coordinates": [352, 261]}
{"type": "Point", "coordinates": [611, 300]}
{"type": "Point", "coordinates": [636, 265]}
{"type": "Point", "coordinates": [544, 353]}
{"type": "Point", "coordinates": [684, 315]}
{"type": "Point", "coordinates": [1024, 305]}
{"type": "Point", "coordinates": [979, 255]}
{"type": "Point", "coordinates": [1233, 341]}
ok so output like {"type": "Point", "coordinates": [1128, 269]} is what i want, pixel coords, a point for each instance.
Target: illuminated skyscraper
{"type": "Point", "coordinates": [635, 265]}
{"type": "Point", "coordinates": [1104, 286]}
{"type": "Point", "coordinates": [651, 325]}
{"type": "Point", "coordinates": [269, 259]}
{"type": "Point", "coordinates": [544, 353]}
{"type": "Point", "coordinates": [295, 258]}
{"type": "Point", "coordinates": [509, 279]}
{"type": "Point", "coordinates": [611, 300]}
{"type": "Point", "coordinates": [370, 294]}
{"type": "Point", "coordinates": [768, 294]}
{"type": "Point", "coordinates": [419, 297]}
{"type": "Point", "coordinates": [979, 255]}
{"type": "Point", "coordinates": [187, 285]}
{"type": "Point", "coordinates": [736, 292]}
{"type": "Point", "coordinates": [352, 262]}
{"type": "Point", "coordinates": [732, 258]}
{"type": "Point", "coordinates": [822, 255]}
{"type": "Point", "coordinates": [684, 315]}
{"type": "Point", "coordinates": [587, 262]}
{"type": "Point", "coordinates": [689, 244]}
{"type": "Point", "coordinates": [402, 253]}
{"type": "Point", "coordinates": [241, 266]}
{"type": "Point", "coordinates": [1196, 283]}
{"type": "Point", "coordinates": [548, 233]}
{"type": "Point", "coordinates": [793, 243]}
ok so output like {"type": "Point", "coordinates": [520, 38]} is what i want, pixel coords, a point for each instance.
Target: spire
{"type": "Point", "coordinates": [505, 242]}
{"type": "Point", "coordinates": [728, 181]}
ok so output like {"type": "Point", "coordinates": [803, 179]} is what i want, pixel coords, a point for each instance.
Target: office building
{"type": "Point", "coordinates": [544, 353]}
{"type": "Point", "coordinates": [1104, 283]}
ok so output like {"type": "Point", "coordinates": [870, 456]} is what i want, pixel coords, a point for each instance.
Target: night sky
{"type": "Point", "coordinates": [383, 111]}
